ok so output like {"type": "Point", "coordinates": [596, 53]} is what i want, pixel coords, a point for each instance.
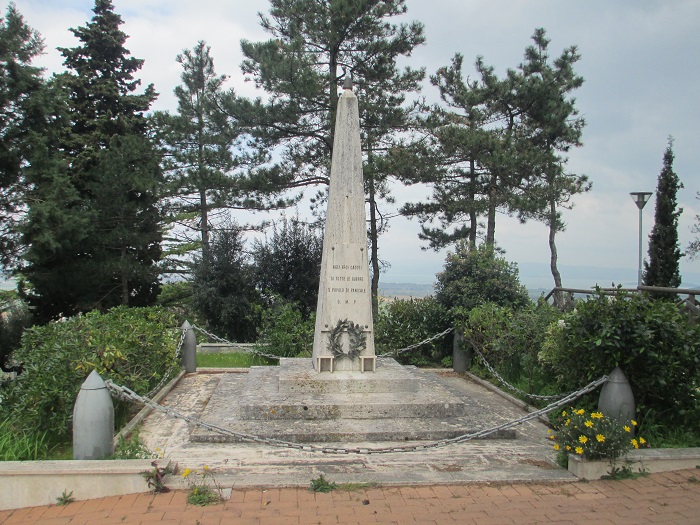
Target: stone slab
{"type": "Point", "coordinates": [530, 457]}
{"type": "Point", "coordinates": [323, 412]}
{"type": "Point", "coordinates": [297, 376]}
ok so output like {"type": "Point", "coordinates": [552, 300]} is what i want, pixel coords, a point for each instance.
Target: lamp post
{"type": "Point", "coordinates": [640, 198]}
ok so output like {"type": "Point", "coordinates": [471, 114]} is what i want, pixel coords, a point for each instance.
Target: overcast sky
{"type": "Point", "coordinates": [642, 84]}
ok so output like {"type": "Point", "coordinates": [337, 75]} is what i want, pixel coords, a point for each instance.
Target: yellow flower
{"type": "Point", "coordinates": [556, 447]}
{"type": "Point", "coordinates": [579, 450]}
{"type": "Point", "coordinates": [563, 414]}
{"type": "Point", "coordinates": [551, 437]}
{"type": "Point", "coordinates": [597, 415]}
{"type": "Point", "coordinates": [642, 440]}
{"type": "Point", "coordinates": [186, 473]}
{"type": "Point", "coordinates": [568, 447]}
{"type": "Point", "coordinates": [634, 443]}
{"type": "Point", "coordinates": [627, 429]}
{"type": "Point", "coordinates": [583, 439]}
{"type": "Point", "coordinates": [589, 423]}
{"type": "Point", "coordinates": [206, 467]}
{"type": "Point", "coordinates": [567, 422]}
{"type": "Point", "coordinates": [600, 438]}
{"type": "Point", "coordinates": [634, 423]}
{"type": "Point", "coordinates": [579, 412]}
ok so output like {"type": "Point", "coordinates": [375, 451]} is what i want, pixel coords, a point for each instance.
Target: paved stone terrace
{"type": "Point", "coordinates": [529, 457]}
{"type": "Point", "coordinates": [669, 498]}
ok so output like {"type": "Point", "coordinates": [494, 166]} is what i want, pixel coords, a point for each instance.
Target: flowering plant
{"type": "Point", "coordinates": [199, 492]}
{"type": "Point", "coordinates": [593, 436]}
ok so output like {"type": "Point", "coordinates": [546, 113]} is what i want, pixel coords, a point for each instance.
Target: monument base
{"type": "Point", "coordinates": [293, 402]}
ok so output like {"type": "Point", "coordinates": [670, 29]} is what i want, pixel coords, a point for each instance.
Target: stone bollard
{"type": "Point", "coordinates": [93, 420]}
{"type": "Point", "coordinates": [461, 359]}
{"type": "Point", "coordinates": [616, 398]}
{"type": "Point", "coordinates": [189, 349]}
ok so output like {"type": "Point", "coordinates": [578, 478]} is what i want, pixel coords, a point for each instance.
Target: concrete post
{"type": "Point", "coordinates": [189, 349]}
{"type": "Point", "coordinates": [93, 420]}
{"type": "Point", "coordinates": [616, 398]}
{"type": "Point", "coordinates": [461, 359]}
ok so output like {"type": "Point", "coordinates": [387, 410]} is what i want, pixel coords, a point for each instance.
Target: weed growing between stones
{"type": "Point", "coordinates": [65, 499]}
{"type": "Point", "coordinates": [200, 493]}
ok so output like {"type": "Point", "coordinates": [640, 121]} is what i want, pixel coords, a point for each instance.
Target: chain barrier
{"type": "Point", "coordinates": [129, 395]}
{"type": "Point", "coordinates": [225, 341]}
{"type": "Point", "coordinates": [512, 387]}
{"type": "Point", "coordinates": [168, 374]}
{"type": "Point", "coordinates": [416, 345]}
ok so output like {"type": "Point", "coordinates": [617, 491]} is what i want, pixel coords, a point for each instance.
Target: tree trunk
{"type": "Point", "coordinates": [124, 278]}
{"type": "Point", "coordinates": [491, 217]}
{"type": "Point", "coordinates": [553, 226]}
{"type": "Point", "coordinates": [373, 235]}
{"type": "Point", "coordinates": [473, 220]}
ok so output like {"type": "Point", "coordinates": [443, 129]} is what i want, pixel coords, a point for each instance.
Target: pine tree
{"type": "Point", "coordinates": [494, 145]}
{"type": "Point", "coordinates": [313, 46]}
{"type": "Point", "coordinates": [93, 226]}
{"type": "Point", "coordinates": [21, 117]}
{"type": "Point", "coordinates": [207, 158]}
{"type": "Point", "coordinates": [662, 269]}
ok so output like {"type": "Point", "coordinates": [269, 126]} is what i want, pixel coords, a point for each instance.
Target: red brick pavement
{"type": "Point", "coordinates": [668, 498]}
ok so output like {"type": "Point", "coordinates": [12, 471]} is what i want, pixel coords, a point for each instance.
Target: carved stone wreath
{"type": "Point", "coordinates": [358, 340]}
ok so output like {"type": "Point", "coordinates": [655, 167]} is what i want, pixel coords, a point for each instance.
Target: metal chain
{"type": "Point", "coordinates": [416, 345]}
{"type": "Point", "coordinates": [129, 395]}
{"type": "Point", "coordinates": [225, 341]}
{"type": "Point", "coordinates": [511, 387]}
{"type": "Point", "coordinates": [178, 354]}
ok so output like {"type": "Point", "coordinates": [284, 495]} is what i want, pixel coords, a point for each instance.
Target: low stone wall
{"type": "Point", "coordinates": [647, 460]}
{"type": "Point", "coordinates": [33, 483]}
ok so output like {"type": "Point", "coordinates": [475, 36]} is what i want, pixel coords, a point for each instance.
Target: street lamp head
{"type": "Point", "coordinates": [640, 198]}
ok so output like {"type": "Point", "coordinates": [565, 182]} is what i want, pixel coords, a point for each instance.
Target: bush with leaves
{"type": "Point", "coordinates": [477, 276]}
{"type": "Point", "coordinates": [223, 288]}
{"type": "Point", "coordinates": [510, 339]}
{"type": "Point", "coordinates": [134, 347]}
{"type": "Point", "coordinates": [654, 343]}
{"type": "Point", "coordinates": [15, 319]}
{"type": "Point", "coordinates": [285, 332]}
{"type": "Point", "coordinates": [402, 323]}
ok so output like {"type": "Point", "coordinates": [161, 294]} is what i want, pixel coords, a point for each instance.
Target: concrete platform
{"type": "Point", "coordinates": [292, 402]}
{"type": "Point", "coordinates": [527, 456]}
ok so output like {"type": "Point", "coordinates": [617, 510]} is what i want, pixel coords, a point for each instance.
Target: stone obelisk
{"type": "Point", "coordinates": [344, 334]}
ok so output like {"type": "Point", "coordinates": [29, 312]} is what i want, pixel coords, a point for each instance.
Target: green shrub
{"type": "Point", "coordinates": [511, 339]}
{"type": "Point", "coordinates": [402, 323]}
{"type": "Point", "coordinates": [652, 341]}
{"type": "Point", "coordinates": [473, 277]}
{"type": "Point", "coordinates": [15, 319]}
{"type": "Point", "coordinates": [284, 331]}
{"type": "Point", "coordinates": [131, 346]}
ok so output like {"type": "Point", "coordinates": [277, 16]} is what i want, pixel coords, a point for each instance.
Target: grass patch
{"type": "Point", "coordinates": [22, 446]}
{"type": "Point", "coordinates": [232, 360]}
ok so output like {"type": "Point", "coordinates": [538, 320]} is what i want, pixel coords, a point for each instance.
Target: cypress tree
{"type": "Point", "coordinates": [662, 268]}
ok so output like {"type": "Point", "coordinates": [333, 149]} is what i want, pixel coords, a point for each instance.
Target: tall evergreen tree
{"type": "Point", "coordinates": [494, 145]}
{"type": "Point", "coordinates": [93, 227]}
{"type": "Point", "coordinates": [313, 46]}
{"type": "Point", "coordinates": [207, 157]}
{"type": "Point", "coordinates": [21, 117]}
{"type": "Point", "coordinates": [662, 268]}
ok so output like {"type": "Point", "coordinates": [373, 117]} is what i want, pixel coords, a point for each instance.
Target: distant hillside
{"type": "Point", "coordinates": [405, 290]}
